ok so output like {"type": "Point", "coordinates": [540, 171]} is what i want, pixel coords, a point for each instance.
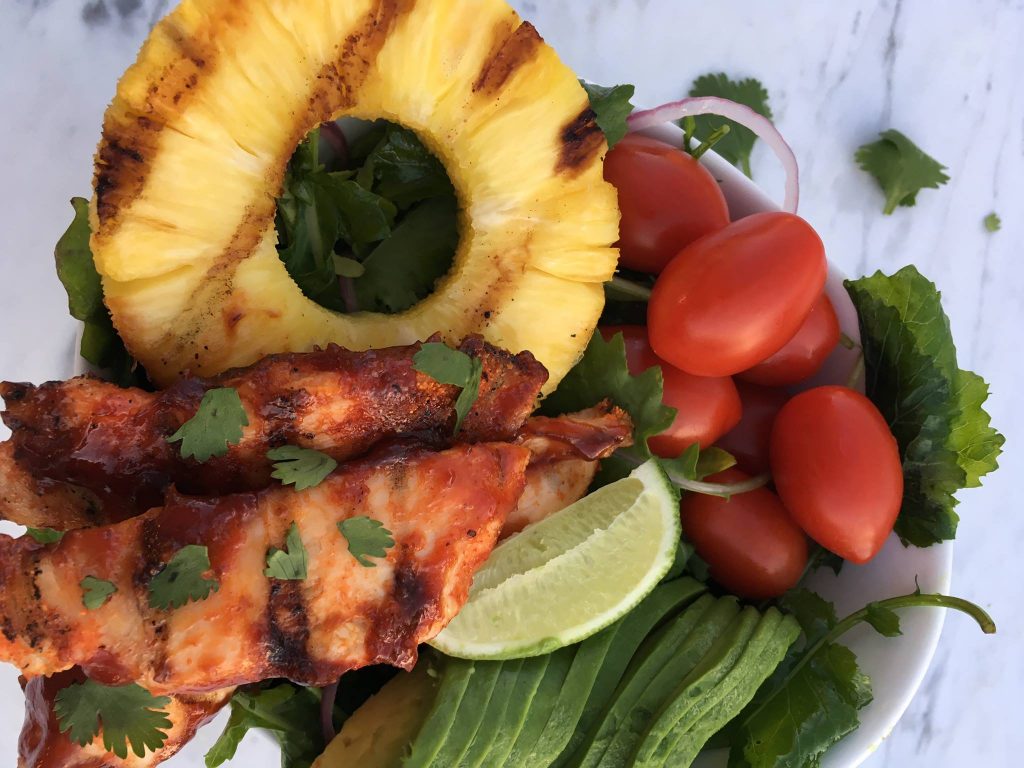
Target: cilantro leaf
{"type": "Point", "coordinates": [366, 538]}
{"type": "Point", "coordinates": [738, 144]}
{"type": "Point", "coordinates": [45, 535]}
{"type": "Point", "coordinates": [401, 169]}
{"type": "Point", "coordinates": [992, 222]}
{"type": "Point", "coordinates": [96, 592]}
{"type": "Point", "coordinates": [602, 374]}
{"type": "Point", "coordinates": [217, 424]}
{"type": "Point", "coordinates": [302, 467]}
{"type": "Point", "coordinates": [182, 579]}
{"type": "Point", "coordinates": [933, 407]}
{"type": "Point", "coordinates": [288, 564]}
{"type": "Point", "coordinates": [901, 168]}
{"type": "Point", "coordinates": [884, 620]}
{"type": "Point", "coordinates": [420, 249]}
{"type": "Point", "coordinates": [129, 714]}
{"type": "Point", "coordinates": [76, 270]}
{"type": "Point", "coordinates": [452, 366]}
{"type": "Point", "coordinates": [611, 106]}
{"type": "Point", "coordinates": [283, 709]}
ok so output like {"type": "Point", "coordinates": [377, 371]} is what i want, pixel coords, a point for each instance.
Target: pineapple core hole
{"type": "Point", "coordinates": [367, 218]}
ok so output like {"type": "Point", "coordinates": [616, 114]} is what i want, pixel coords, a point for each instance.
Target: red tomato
{"type": "Point", "coordinates": [749, 440]}
{"type": "Point", "coordinates": [803, 354]}
{"type": "Point", "coordinates": [667, 200]}
{"type": "Point", "coordinates": [706, 408]}
{"type": "Point", "coordinates": [750, 543]}
{"type": "Point", "coordinates": [735, 297]}
{"type": "Point", "coordinates": [837, 469]}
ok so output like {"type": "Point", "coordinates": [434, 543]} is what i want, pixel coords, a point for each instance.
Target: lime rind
{"type": "Point", "coordinates": [571, 592]}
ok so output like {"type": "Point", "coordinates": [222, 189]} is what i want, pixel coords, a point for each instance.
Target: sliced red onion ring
{"type": "Point", "coordinates": [744, 115]}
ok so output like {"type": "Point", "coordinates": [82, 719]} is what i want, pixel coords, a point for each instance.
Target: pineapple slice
{"type": "Point", "coordinates": [197, 139]}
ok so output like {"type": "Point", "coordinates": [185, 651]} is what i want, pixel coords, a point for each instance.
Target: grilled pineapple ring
{"type": "Point", "coordinates": [197, 140]}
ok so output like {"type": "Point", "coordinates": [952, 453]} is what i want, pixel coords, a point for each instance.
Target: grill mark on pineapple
{"type": "Point", "coordinates": [131, 136]}
{"type": "Point", "coordinates": [508, 53]}
{"type": "Point", "coordinates": [582, 142]}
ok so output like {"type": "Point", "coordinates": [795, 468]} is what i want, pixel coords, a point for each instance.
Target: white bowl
{"type": "Point", "coordinates": [896, 665]}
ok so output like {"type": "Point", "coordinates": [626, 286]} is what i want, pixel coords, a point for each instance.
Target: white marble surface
{"type": "Point", "coordinates": [943, 71]}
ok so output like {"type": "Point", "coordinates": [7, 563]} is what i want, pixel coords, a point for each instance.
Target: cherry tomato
{"type": "Point", "coordinates": [803, 354]}
{"type": "Point", "coordinates": [667, 200]}
{"type": "Point", "coordinates": [837, 469]}
{"type": "Point", "coordinates": [735, 297]}
{"type": "Point", "coordinates": [750, 543]}
{"type": "Point", "coordinates": [749, 440]}
{"type": "Point", "coordinates": [706, 408]}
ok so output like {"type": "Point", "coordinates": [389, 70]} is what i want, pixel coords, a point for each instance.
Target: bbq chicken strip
{"type": "Point", "coordinates": [113, 441]}
{"type": "Point", "coordinates": [443, 510]}
{"type": "Point", "coordinates": [42, 745]}
{"type": "Point", "coordinates": [40, 502]}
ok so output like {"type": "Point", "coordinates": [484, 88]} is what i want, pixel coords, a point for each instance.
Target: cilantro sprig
{"type": "Point", "coordinates": [737, 143]}
{"type": "Point", "coordinates": [96, 592]}
{"type": "Point", "coordinates": [302, 467]}
{"type": "Point", "coordinates": [452, 366]}
{"type": "Point", "coordinates": [366, 538]}
{"type": "Point", "coordinates": [611, 106]}
{"type": "Point", "coordinates": [901, 168]}
{"type": "Point", "coordinates": [290, 563]}
{"type": "Point", "coordinates": [128, 714]}
{"type": "Point", "coordinates": [216, 425]}
{"type": "Point", "coordinates": [183, 579]}
{"type": "Point", "coordinates": [992, 222]}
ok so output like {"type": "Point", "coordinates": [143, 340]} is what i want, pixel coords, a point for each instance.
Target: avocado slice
{"type": "Point", "coordinates": [469, 718]}
{"type": "Point", "coordinates": [630, 631]}
{"type": "Point", "coordinates": [455, 675]}
{"type": "Point", "coordinates": [682, 727]}
{"type": "Point", "coordinates": [558, 664]}
{"type": "Point", "coordinates": [664, 659]}
{"type": "Point", "coordinates": [379, 733]}
{"type": "Point", "coordinates": [531, 675]}
{"type": "Point", "coordinates": [496, 720]}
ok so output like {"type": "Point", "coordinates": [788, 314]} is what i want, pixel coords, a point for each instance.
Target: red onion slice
{"type": "Point", "coordinates": [745, 116]}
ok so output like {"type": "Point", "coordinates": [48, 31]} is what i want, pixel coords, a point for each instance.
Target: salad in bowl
{"type": "Point", "coordinates": [439, 408]}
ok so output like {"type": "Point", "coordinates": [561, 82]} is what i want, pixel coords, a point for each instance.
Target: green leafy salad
{"type": "Point", "coordinates": [368, 220]}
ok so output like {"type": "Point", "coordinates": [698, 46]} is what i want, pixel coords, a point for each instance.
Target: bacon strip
{"type": "Point", "coordinates": [113, 441]}
{"type": "Point", "coordinates": [444, 509]}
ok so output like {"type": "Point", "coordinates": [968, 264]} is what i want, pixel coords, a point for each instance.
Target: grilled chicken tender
{"type": "Point", "coordinates": [42, 502]}
{"type": "Point", "coordinates": [444, 510]}
{"type": "Point", "coordinates": [113, 441]}
{"type": "Point", "coordinates": [42, 745]}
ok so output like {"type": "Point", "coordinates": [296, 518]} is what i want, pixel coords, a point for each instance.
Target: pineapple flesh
{"type": "Point", "coordinates": [197, 139]}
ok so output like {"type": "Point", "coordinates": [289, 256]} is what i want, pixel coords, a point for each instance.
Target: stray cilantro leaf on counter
{"type": "Point", "coordinates": [901, 168]}
{"type": "Point", "coordinates": [611, 106]}
{"type": "Point", "coordinates": [288, 564]}
{"type": "Point", "coordinates": [217, 424]}
{"type": "Point", "coordinates": [128, 714]}
{"type": "Point", "coordinates": [76, 270]}
{"type": "Point", "coordinates": [451, 366]}
{"type": "Point", "coordinates": [182, 579]}
{"type": "Point", "coordinates": [45, 535]}
{"type": "Point", "coordinates": [302, 467]}
{"type": "Point", "coordinates": [738, 144]}
{"type": "Point", "coordinates": [96, 592]}
{"type": "Point", "coordinates": [933, 407]}
{"type": "Point", "coordinates": [992, 222]}
{"type": "Point", "coordinates": [366, 538]}
{"type": "Point", "coordinates": [286, 711]}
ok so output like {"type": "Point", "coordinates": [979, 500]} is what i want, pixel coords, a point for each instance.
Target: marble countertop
{"type": "Point", "coordinates": [838, 73]}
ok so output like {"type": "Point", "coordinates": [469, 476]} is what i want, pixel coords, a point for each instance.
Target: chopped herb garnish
{"type": "Point", "coordinates": [217, 424]}
{"type": "Point", "coordinates": [992, 222]}
{"type": "Point", "coordinates": [96, 592]}
{"type": "Point", "coordinates": [302, 467]}
{"type": "Point", "coordinates": [366, 538]}
{"type": "Point", "coordinates": [611, 106]}
{"type": "Point", "coordinates": [128, 714]}
{"type": "Point", "coordinates": [183, 579]}
{"type": "Point", "coordinates": [288, 564]}
{"type": "Point", "coordinates": [737, 144]}
{"type": "Point", "coordinates": [45, 535]}
{"type": "Point", "coordinates": [451, 366]}
{"type": "Point", "coordinates": [901, 168]}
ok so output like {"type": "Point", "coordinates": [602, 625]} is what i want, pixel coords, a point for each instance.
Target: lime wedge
{"type": "Point", "coordinates": [572, 574]}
